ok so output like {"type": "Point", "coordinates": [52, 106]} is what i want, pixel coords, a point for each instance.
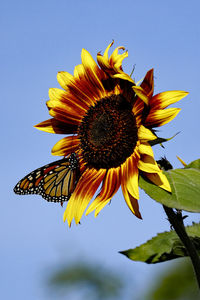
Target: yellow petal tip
{"type": "Point", "coordinates": [182, 162]}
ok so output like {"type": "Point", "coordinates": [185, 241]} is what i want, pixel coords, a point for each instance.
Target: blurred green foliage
{"type": "Point", "coordinates": [177, 283]}
{"type": "Point", "coordinates": [91, 282]}
{"type": "Point", "coordinates": [86, 281]}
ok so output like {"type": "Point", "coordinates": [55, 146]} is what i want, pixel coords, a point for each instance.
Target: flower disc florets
{"type": "Point", "coordinates": [108, 133]}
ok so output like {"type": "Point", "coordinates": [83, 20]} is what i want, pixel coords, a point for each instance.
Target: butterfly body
{"type": "Point", "coordinates": [55, 182]}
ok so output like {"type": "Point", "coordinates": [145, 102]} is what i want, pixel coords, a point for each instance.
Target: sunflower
{"type": "Point", "coordinates": [111, 121]}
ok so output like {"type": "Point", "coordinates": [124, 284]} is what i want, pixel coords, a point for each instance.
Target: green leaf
{"type": "Point", "coordinates": [185, 185]}
{"type": "Point", "coordinates": [165, 246]}
{"type": "Point", "coordinates": [194, 164]}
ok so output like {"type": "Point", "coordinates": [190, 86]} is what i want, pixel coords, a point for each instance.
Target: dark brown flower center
{"type": "Point", "coordinates": [108, 133]}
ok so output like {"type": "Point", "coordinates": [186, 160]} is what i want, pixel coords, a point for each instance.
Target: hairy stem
{"type": "Point", "coordinates": [177, 222]}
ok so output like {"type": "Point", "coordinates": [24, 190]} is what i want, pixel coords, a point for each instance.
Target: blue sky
{"type": "Point", "coordinates": [40, 38]}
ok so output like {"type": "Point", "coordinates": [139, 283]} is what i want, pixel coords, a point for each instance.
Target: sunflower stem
{"type": "Point", "coordinates": [176, 221]}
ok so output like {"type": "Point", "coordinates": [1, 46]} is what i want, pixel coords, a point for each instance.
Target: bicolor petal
{"type": "Point", "coordinates": [148, 83]}
{"type": "Point", "coordinates": [159, 179]}
{"type": "Point", "coordinates": [158, 118]}
{"type": "Point", "coordinates": [129, 174]}
{"type": "Point", "coordinates": [131, 202]}
{"type": "Point", "coordinates": [92, 72]}
{"type": "Point", "coordinates": [56, 126]}
{"type": "Point", "coordinates": [110, 186]}
{"type": "Point", "coordinates": [141, 93]}
{"type": "Point", "coordinates": [66, 146]}
{"type": "Point", "coordinates": [164, 99]}
{"type": "Point", "coordinates": [80, 198]}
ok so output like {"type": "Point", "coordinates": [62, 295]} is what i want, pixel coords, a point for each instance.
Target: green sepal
{"type": "Point", "coordinates": [163, 247]}
{"type": "Point", "coordinates": [160, 140]}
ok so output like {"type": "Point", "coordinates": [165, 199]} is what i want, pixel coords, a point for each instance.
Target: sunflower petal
{"type": "Point", "coordinates": [113, 65]}
{"type": "Point", "coordinates": [67, 99]}
{"type": "Point", "coordinates": [148, 167]}
{"type": "Point", "coordinates": [152, 171]}
{"type": "Point", "coordinates": [131, 202]}
{"type": "Point", "coordinates": [163, 100]}
{"type": "Point", "coordinates": [62, 116]}
{"type": "Point", "coordinates": [145, 148]}
{"type": "Point", "coordinates": [101, 206]}
{"type": "Point", "coordinates": [92, 71]}
{"type": "Point", "coordinates": [160, 117]}
{"type": "Point", "coordinates": [123, 76]}
{"type": "Point", "coordinates": [117, 60]}
{"type": "Point", "coordinates": [103, 60]}
{"type": "Point", "coordinates": [68, 110]}
{"type": "Point", "coordinates": [65, 146]}
{"type": "Point", "coordinates": [83, 193]}
{"type": "Point", "coordinates": [78, 88]}
{"type": "Point", "coordinates": [137, 111]}
{"type": "Point", "coordinates": [110, 186]}
{"type": "Point", "coordinates": [105, 55]}
{"type": "Point", "coordinates": [129, 172]}
{"type": "Point", "coordinates": [141, 93]}
{"type": "Point", "coordinates": [65, 79]}
{"type": "Point", "coordinates": [79, 71]}
{"type": "Point", "coordinates": [145, 134]}
{"type": "Point", "coordinates": [148, 83]}
{"type": "Point", "coordinates": [159, 179]}
{"type": "Point", "coordinates": [56, 126]}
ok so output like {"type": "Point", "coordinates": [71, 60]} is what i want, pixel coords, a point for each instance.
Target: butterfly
{"type": "Point", "coordinates": [55, 182]}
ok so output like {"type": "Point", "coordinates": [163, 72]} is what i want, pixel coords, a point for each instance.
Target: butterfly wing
{"type": "Point", "coordinates": [55, 182]}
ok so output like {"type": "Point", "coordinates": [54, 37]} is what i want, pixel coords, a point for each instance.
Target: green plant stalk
{"type": "Point", "coordinates": [177, 223]}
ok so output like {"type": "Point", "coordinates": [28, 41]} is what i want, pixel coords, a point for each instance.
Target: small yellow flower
{"type": "Point", "coordinates": [111, 122]}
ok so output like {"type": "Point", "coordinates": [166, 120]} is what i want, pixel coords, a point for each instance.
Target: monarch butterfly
{"type": "Point", "coordinates": [55, 182]}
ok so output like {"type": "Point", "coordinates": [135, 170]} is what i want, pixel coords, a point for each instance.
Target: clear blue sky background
{"type": "Point", "coordinates": [40, 38]}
